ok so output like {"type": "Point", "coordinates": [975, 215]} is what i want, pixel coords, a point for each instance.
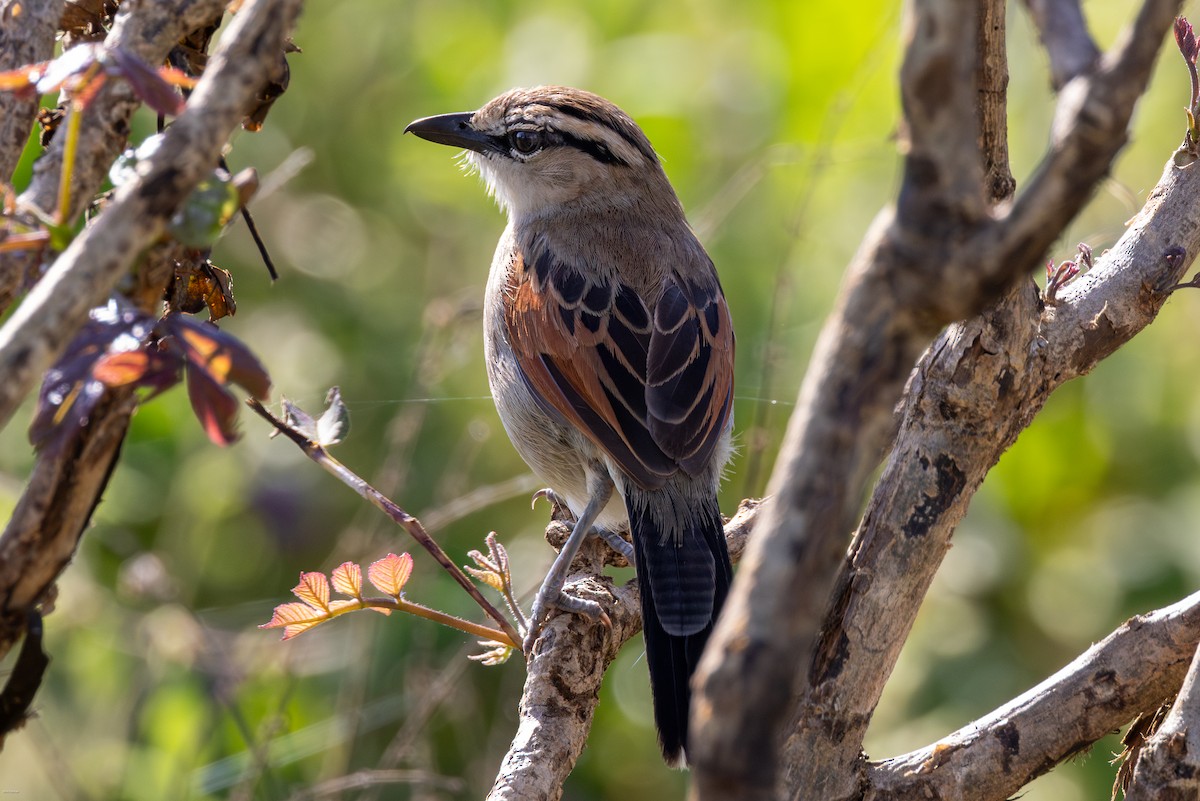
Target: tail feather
{"type": "Point", "coordinates": [684, 579]}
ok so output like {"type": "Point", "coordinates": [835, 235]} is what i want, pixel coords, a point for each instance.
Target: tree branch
{"type": "Point", "coordinates": [991, 86]}
{"type": "Point", "coordinates": [568, 665]}
{"type": "Point", "coordinates": [45, 528]}
{"type": "Point", "coordinates": [26, 37]}
{"type": "Point", "coordinates": [992, 375]}
{"type": "Point", "coordinates": [1064, 34]}
{"type": "Point", "coordinates": [148, 30]}
{"type": "Point", "coordinates": [908, 280]}
{"type": "Point", "coordinates": [1133, 670]}
{"type": "Point", "coordinates": [1090, 127]}
{"type": "Point", "coordinates": [1168, 765]}
{"type": "Point", "coordinates": [87, 271]}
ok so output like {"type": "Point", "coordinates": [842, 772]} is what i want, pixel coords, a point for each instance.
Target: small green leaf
{"type": "Point", "coordinates": [497, 653]}
{"type": "Point", "coordinates": [206, 211]}
{"type": "Point", "coordinates": [125, 167]}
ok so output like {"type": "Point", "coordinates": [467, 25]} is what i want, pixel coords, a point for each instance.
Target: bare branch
{"type": "Point", "coordinates": [1090, 126]}
{"type": "Point", "coordinates": [44, 531]}
{"type": "Point", "coordinates": [942, 174]}
{"type": "Point", "coordinates": [26, 37]}
{"type": "Point", "coordinates": [1131, 671]}
{"type": "Point", "coordinates": [931, 263]}
{"type": "Point", "coordinates": [1168, 765]}
{"type": "Point", "coordinates": [88, 270]}
{"type": "Point", "coordinates": [568, 665]}
{"type": "Point", "coordinates": [1063, 31]}
{"type": "Point", "coordinates": [991, 86]}
{"type": "Point", "coordinates": [990, 374]}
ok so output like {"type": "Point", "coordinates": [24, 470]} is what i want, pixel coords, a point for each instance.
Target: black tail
{"type": "Point", "coordinates": [684, 576]}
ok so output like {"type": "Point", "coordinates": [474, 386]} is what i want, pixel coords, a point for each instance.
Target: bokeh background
{"type": "Point", "coordinates": [776, 124]}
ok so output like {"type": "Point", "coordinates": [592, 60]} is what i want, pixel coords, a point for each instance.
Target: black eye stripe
{"type": "Point", "coordinates": [599, 119]}
{"type": "Point", "coordinates": [547, 137]}
{"type": "Point", "coordinates": [597, 150]}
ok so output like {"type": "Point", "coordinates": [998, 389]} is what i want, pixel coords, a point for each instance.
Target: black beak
{"type": "Point", "coordinates": [452, 129]}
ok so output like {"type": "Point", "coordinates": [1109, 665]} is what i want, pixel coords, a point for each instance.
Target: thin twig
{"type": "Point", "coordinates": [402, 518]}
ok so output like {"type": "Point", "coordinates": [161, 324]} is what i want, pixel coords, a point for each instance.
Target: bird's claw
{"type": "Point", "coordinates": [550, 495]}
{"type": "Point", "coordinates": [544, 608]}
{"type": "Point", "coordinates": [617, 543]}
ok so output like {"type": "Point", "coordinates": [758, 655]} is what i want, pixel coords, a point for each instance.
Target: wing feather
{"type": "Point", "coordinates": [652, 387]}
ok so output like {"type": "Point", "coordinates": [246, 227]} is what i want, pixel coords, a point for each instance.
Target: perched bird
{"type": "Point", "coordinates": [610, 358]}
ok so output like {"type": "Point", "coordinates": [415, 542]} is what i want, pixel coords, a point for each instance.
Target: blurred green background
{"type": "Point", "coordinates": [776, 124]}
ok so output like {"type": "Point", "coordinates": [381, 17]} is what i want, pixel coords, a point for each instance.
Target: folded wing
{"type": "Point", "coordinates": [651, 386]}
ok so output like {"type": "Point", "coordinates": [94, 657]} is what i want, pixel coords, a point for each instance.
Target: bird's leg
{"type": "Point", "coordinates": [614, 540]}
{"type": "Point", "coordinates": [551, 596]}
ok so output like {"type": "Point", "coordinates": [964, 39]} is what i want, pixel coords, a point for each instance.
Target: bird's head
{"type": "Point", "coordinates": [553, 147]}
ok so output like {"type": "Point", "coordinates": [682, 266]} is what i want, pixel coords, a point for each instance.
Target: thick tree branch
{"type": "Point", "coordinates": [938, 136]}
{"type": "Point", "coordinates": [812, 758]}
{"type": "Point", "coordinates": [974, 391]}
{"type": "Point", "coordinates": [567, 666]}
{"type": "Point", "coordinates": [930, 263]}
{"type": "Point", "coordinates": [1131, 671]}
{"type": "Point", "coordinates": [1168, 766]}
{"type": "Point", "coordinates": [42, 535]}
{"type": "Point", "coordinates": [26, 37]}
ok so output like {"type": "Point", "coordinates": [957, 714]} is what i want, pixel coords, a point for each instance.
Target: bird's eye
{"type": "Point", "coordinates": [525, 141]}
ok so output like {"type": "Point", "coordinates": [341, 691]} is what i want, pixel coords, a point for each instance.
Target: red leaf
{"type": "Point", "coordinates": [70, 390]}
{"type": "Point", "coordinates": [221, 355]}
{"type": "Point", "coordinates": [390, 574]}
{"type": "Point", "coordinates": [119, 369]}
{"type": "Point", "coordinates": [313, 589]}
{"type": "Point", "coordinates": [214, 406]}
{"type": "Point", "coordinates": [147, 366]}
{"type": "Point", "coordinates": [347, 579]}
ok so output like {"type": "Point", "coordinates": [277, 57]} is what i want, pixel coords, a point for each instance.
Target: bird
{"type": "Point", "coordinates": [610, 353]}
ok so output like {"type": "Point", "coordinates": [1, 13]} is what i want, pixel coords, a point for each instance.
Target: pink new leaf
{"type": "Point", "coordinates": [295, 618]}
{"type": "Point", "coordinates": [347, 579]}
{"type": "Point", "coordinates": [390, 573]}
{"type": "Point", "coordinates": [313, 589]}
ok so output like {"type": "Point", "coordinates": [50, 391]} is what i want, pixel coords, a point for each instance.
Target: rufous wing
{"type": "Point", "coordinates": [652, 387]}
